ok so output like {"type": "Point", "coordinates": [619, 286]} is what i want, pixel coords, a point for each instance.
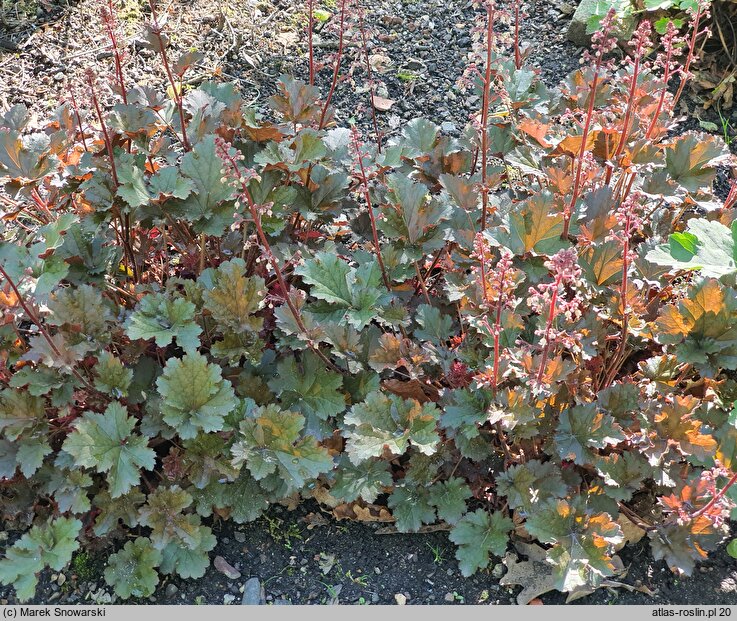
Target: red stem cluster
{"type": "Point", "coordinates": [176, 88]}
{"type": "Point", "coordinates": [485, 103]}
{"type": "Point", "coordinates": [263, 239]}
{"type": "Point", "coordinates": [336, 67]}
{"type": "Point", "coordinates": [372, 217]}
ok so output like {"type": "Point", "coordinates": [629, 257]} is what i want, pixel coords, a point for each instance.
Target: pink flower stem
{"type": "Point", "coordinates": [628, 113]}
{"type": "Point", "coordinates": [690, 57]}
{"type": "Point", "coordinates": [548, 328]}
{"type": "Point", "coordinates": [663, 93]}
{"type": "Point", "coordinates": [568, 213]}
{"type": "Point", "coordinates": [517, 53]}
{"type": "Point", "coordinates": [176, 89]}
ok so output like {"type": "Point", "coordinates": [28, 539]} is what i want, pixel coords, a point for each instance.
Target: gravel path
{"type": "Point", "coordinates": [420, 48]}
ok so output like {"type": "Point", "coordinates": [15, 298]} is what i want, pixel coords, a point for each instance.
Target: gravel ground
{"type": "Point", "coordinates": [423, 44]}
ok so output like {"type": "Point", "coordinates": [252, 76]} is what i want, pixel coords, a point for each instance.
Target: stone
{"type": "Point", "coordinates": [253, 594]}
{"type": "Point", "coordinates": [171, 590]}
{"type": "Point", "coordinates": [228, 599]}
{"type": "Point", "coordinates": [585, 11]}
{"type": "Point", "coordinates": [414, 64]}
{"type": "Point", "coordinates": [382, 104]}
{"type": "Point", "coordinates": [400, 598]}
{"type": "Point", "coordinates": [226, 568]}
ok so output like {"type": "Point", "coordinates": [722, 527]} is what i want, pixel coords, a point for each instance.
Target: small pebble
{"type": "Point", "coordinates": [400, 599]}
{"type": "Point", "coordinates": [252, 595]}
{"type": "Point", "coordinates": [226, 568]}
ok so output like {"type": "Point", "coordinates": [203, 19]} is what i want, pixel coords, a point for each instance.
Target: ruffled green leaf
{"type": "Point", "coordinates": [106, 443]}
{"type": "Point", "coordinates": [388, 422]}
{"type": "Point", "coordinates": [478, 535]}
{"type": "Point", "coordinates": [48, 545]}
{"type": "Point", "coordinates": [163, 319]}
{"type": "Point", "coordinates": [310, 389]}
{"type": "Point", "coordinates": [195, 395]}
{"type": "Point", "coordinates": [132, 571]}
{"type": "Point", "coordinates": [271, 441]}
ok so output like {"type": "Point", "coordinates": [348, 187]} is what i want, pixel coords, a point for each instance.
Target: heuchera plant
{"type": "Point", "coordinates": [527, 332]}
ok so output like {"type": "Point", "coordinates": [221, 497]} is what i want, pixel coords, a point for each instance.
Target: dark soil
{"type": "Point", "coordinates": [349, 563]}
{"type": "Point", "coordinates": [45, 47]}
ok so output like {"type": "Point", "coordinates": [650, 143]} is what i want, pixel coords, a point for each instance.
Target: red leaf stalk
{"type": "Point", "coordinates": [717, 497]}
{"type": "Point", "coordinates": [485, 103]}
{"type": "Point", "coordinates": [42, 329]}
{"type": "Point", "coordinates": [603, 44]}
{"type": "Point", "coordinates": [176, 89]}
{"type": "Point", "coordinates": [336, 67]}
{"type": "Point", "coordinates": [310, 47]}
{"type": "Point", "coordinates": [372, 217]}
{"type": "Point", "coordinates": [108, 20]}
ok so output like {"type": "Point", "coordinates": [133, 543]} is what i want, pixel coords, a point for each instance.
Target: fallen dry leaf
{"type": "Point", "coordinates": [412, 389]}
{"type": "Point", "coordinates": [632, 533]}
{"type": "Point", "coordinates": [380, 62]}
{"type": "Point", "coordinates": [324, 497]}
{"type": "Point", "coordinates": [313, 520]}
{"type": "Point", "coordinates": [534, 575]}
{"type": "Point", "coordinates": [362, 512]}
